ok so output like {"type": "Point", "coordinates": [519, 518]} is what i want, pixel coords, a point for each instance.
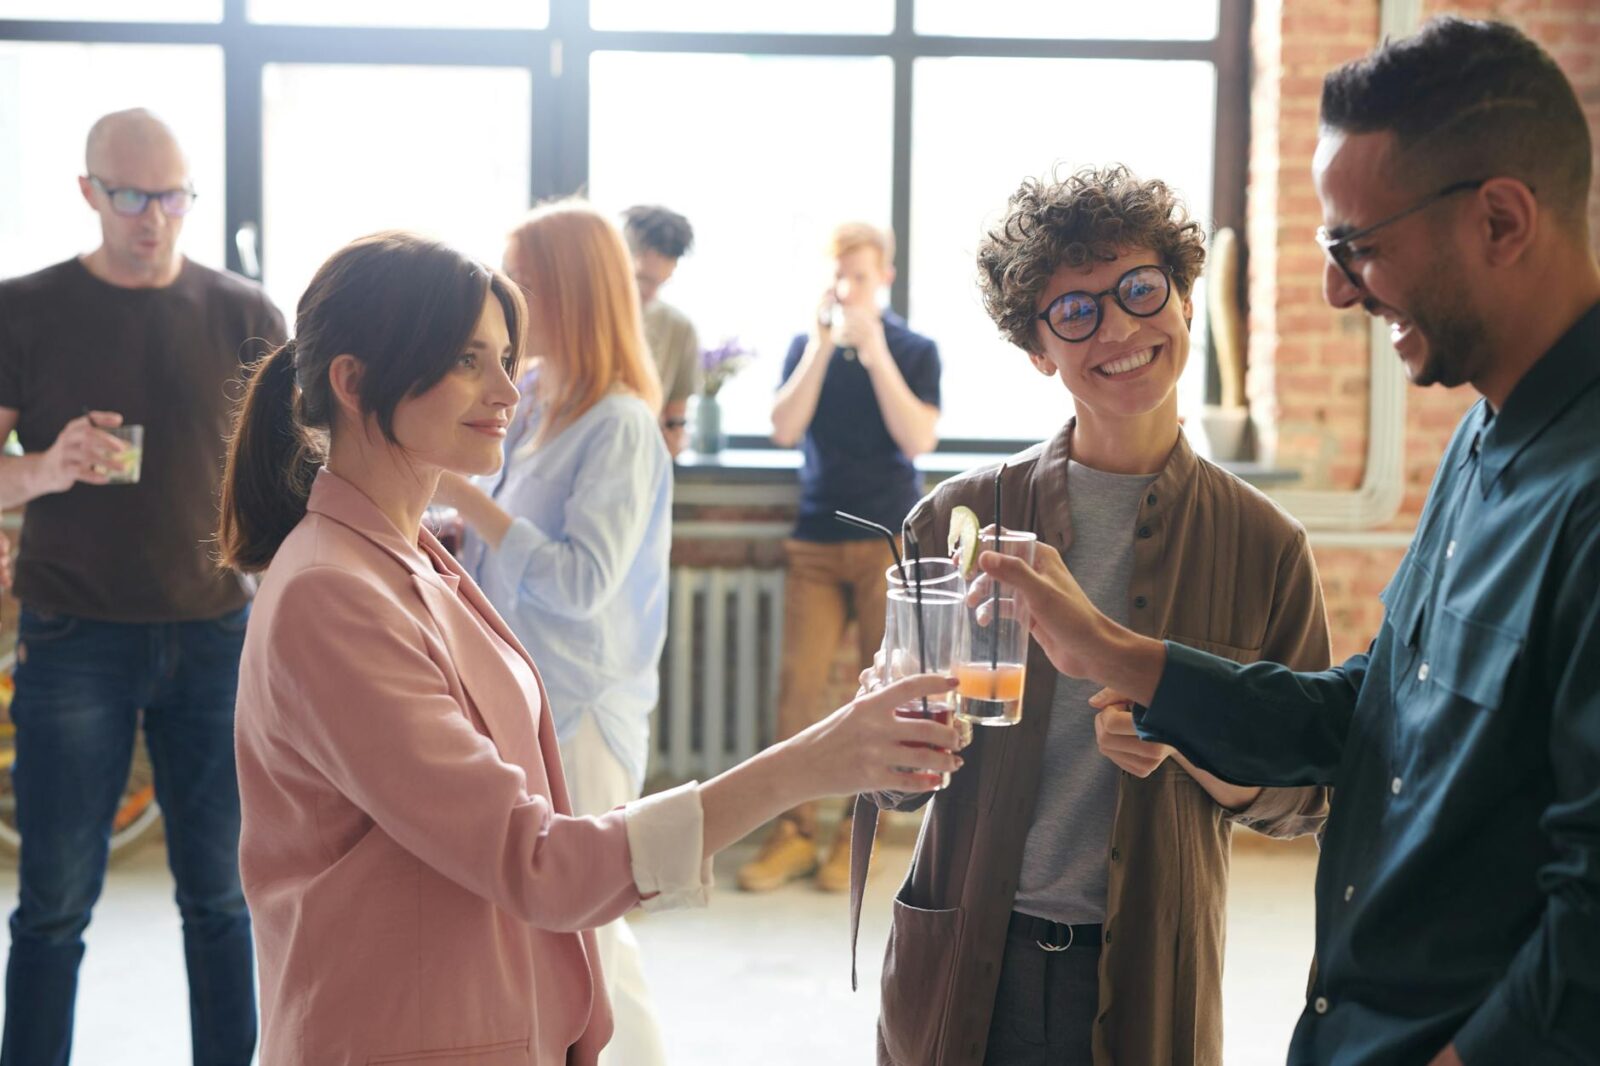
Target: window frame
{"type": "Point", "coordinates": [557, 58]}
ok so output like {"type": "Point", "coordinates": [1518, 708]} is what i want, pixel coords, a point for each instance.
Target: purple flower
{"type": "Point", "coordinates": [719, 364]}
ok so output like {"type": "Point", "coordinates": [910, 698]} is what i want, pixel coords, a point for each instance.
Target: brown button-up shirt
{"type": "Point", "coordinates": [1217, 566]}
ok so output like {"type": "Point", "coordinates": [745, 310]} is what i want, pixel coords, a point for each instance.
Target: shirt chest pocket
{"type": "Point", "coordinates": [1470, 658]}
{"type": "Point", "coordinates": [1458, 677]}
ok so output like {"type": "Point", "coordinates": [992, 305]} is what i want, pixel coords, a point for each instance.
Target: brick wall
{"type": "Point", "coordinates": [1308, 363]}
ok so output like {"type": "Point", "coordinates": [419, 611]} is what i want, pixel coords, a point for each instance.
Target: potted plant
{"type": "Point", "coordinates": [717, 365]}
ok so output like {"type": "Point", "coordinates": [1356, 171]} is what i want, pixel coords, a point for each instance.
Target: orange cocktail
{"type": "Point", "coordinates": [990, 695]}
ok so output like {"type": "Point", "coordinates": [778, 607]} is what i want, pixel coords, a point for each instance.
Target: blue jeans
{"type": "Point", "coordinates": [80, 687]}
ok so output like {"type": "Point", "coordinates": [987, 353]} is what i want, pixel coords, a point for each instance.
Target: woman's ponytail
{"type": "Point", "coordinates": [272, 461]}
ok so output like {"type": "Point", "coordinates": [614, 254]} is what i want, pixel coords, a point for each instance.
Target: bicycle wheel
{"type": "Point", "coordinates": [137, 816]}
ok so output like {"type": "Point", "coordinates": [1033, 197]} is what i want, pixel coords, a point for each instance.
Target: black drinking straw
{"type": "Point", "coordinates": [865, 523]}
{"type": "Point", "coordinates": [994, 595]}
{"type": "Point", "coordinates": [922, 638]}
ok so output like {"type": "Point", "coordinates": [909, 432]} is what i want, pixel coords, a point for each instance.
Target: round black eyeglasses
{"type": "Point", "coordinates": [1076, 316]}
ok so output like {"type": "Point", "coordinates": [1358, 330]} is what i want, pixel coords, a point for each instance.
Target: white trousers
{"type": "Point", "coordinates": [597, 783]}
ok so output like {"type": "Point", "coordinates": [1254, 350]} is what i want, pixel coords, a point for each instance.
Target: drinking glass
{"type": "Point", "coordinates": [990, 678]}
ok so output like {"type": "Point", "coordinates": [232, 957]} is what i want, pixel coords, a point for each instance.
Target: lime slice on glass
{"type": "Point", "coordinates": [964, 540]}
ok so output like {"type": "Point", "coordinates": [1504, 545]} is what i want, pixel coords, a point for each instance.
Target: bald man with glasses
{"type": "Point", "coordinates": [124, 610]}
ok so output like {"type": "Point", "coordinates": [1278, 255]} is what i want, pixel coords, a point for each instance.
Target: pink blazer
{"type": "Point", "coordinates": [416, 880]}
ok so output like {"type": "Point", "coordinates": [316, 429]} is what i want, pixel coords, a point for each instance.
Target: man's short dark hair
{"type": "Point", "coordinates": [658, 229]}
{"type": "Point", "coordinates": [1468, 100]}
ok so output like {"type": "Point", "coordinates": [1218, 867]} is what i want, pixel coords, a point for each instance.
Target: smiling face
{"type": "Point", "coordinates": [1129, 368]}
{"type": "Point", "coordinates": [1412, 273]}
{"type": "Point", "coordinates": [460, 423]}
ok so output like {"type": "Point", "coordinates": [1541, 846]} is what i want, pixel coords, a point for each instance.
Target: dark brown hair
{"type": "Point", "coordinates": [1468, 100]}
{"type": "Point", "coordinates": [1098, 213]}
{"type": "Point", "coordinates": [662, 231]}
{"type": "Point", "coordinates": [405, 306]}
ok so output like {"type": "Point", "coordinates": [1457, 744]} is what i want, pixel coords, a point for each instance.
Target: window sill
{"type": "Point", "coordinates": [769, 476]}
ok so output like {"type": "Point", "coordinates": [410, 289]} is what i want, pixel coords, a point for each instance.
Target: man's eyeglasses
{"type": "Point", "coordinates": [1341, 249]}
{"type": "Point", "coordinates": [1075, 316]}
{"type": "Point", "coordinates": [175, 203]}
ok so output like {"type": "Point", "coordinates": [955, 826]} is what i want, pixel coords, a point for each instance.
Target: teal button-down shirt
{"type": "Point", "coordinates": [1458, 893]}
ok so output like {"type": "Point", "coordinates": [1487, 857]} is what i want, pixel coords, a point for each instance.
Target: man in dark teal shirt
{"type": "Point", "coordinates": [1458, 893]}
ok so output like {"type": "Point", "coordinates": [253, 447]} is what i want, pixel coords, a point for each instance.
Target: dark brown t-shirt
{"type": "Point", "coordinates": [169, 359]}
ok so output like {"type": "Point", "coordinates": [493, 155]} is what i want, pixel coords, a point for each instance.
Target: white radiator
{"type": "Point", "coordinates": [719, 673]}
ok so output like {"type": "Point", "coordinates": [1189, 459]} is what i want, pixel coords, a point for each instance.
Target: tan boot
{"type": "Point", "coordinates": [786, 855]}
{"type": "Point", "coordinates": [835, 873]}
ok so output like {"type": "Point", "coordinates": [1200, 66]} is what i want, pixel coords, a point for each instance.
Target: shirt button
{"type": "Point", "coordinates": [1422, 672]}
{"type": "Point", "coordinates": [1116, 855]}
{"type": "Point", "coordinates": [1150, 499]}
{"type": "Point", "coordinates": [1450, 550]}
{"type": "Point", "coordinates": [1144, 533]}
{"type": "Point", "coordinates": [1349, 890]}
{"type": "Point", "coordinates": [1394, 786]}
{"type": "Point", "coordinates": [1140, 602]}
{"type": "Point", "coordinates": [1108, 936]}
{"type": "Point", "coordinates": [1321, 1005]}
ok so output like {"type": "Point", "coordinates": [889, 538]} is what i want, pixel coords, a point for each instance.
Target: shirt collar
{"type": "Point", "coordinates": [1569, 369]}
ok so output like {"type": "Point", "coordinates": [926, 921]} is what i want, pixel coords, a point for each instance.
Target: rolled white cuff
{"type": "Point", "coordinates": [666, 836]}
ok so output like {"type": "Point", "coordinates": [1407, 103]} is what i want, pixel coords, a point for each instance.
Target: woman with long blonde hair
{"type": "Point", "coordinates": [571, 540]}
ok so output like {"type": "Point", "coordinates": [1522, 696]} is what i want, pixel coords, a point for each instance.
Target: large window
{"type": "Point", "coordinates": [308, 122]}
{"type": "Point", "coordinates": [764, 172]}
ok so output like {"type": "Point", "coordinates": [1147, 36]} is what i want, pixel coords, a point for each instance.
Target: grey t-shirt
{"type": "Point", "coordinates": [676, 349]}
{"type": "Point", "coordinates": [1064, 861]}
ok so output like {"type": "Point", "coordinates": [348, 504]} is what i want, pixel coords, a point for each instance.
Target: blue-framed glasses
{"type": "Point", "coordinates": [175, 203]}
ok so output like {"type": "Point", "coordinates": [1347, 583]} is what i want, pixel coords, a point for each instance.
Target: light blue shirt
{"type": "Point", "coordinates": [581, 576]}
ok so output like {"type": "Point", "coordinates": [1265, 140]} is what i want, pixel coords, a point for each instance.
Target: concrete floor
{"type": "Point", "coordinates": [721, 975]}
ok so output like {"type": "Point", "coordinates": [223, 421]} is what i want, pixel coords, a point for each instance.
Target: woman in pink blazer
{"type": "Point", "coordinates": [420, 890]}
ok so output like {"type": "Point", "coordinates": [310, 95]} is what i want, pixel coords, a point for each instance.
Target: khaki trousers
{"type": "Point", "coordinates": [827, 585]}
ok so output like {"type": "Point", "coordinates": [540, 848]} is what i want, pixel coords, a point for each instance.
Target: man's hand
{"type": "Point", "coordinates": [1447, 1057]}
{"type": "Point", "coordinates": [5, 563]}
{"type": "Point", "coordinates": [1063, 621]}
{"type": "Point", "coordinates": [82, 452]}
{"type": "Point", "coordinates": [862, 330]}
{"type": "Point", "coordinates": [824, 325]}
{"type": "Point", "coordinates": [1119, 741]}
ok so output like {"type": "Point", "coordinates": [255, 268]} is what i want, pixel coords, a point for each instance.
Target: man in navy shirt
{"type": "Point", "coordinates": [1458, 893]}
{"type": "Point", "coordinates": [860, 396]}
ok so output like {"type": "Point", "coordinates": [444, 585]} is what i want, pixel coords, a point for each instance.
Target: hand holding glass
{"type": "Point", "coordinates": [993, 673]}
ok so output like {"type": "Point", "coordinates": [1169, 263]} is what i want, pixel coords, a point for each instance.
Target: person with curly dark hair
{"type": "Point", "coordinates": [1067, 900]}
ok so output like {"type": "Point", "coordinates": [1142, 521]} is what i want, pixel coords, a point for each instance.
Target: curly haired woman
{"type": "Point", "coordinates": [1067, 900]}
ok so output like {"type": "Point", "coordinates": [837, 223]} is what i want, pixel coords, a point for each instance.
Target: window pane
{"type": "Point", "coordinates": [762, 174]}
{"type": "Point", "coordinates": [113, 10]}
{"type": "Point", "coordinates": [1155, 117]}
{"type": "Point", "coordinates": [457, 13]}
{"type": "Point", "coordinates": [50, 94]}
{"type": "Point", "coordinates": [743, 16]}
{"type": "Point", "coordinates": [350, 150]}
{"type": "Point", "coordinates": [1153, 20]}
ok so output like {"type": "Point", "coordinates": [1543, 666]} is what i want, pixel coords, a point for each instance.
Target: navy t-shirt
{"type": "Point", "coordinates": [851, 462]}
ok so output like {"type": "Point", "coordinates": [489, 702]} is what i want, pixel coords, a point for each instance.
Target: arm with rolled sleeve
{"type": "Point", "coordinates": [1546, 1009]}
{"type": "Point", "coordinates": [368, 708]}
{"type": "Point", "coordinates": [1297, 636]}
{"type": "Point", "coordinates": [607, 518]}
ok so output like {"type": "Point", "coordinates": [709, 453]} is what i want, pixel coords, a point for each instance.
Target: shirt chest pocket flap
{"type": "Point", "coordinates": [1471, 657]}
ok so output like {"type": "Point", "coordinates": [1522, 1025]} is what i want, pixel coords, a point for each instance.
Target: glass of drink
{"type": "Point", "coordinates": [930, 639]}
{"type": "Point", "coordinates": [126, 469]}
{"type": "Point", "coordinates": [990, 678]}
